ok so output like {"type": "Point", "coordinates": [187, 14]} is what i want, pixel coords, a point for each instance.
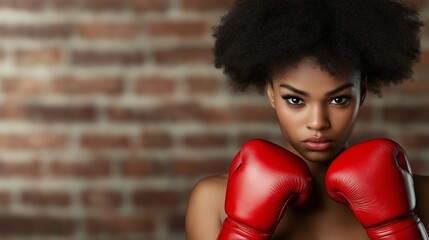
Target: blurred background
{"type": "Point", "coordinates": [111, 110]}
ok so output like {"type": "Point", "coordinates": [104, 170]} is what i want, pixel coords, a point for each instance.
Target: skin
{"type": "Point", "coordinates": [309, 102]}
{"type": "Point", "coordinates": [324, 106]}
{"type": "Point", "coordinates": [321, 106]}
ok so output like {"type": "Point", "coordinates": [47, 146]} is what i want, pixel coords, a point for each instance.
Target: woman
{"type": "Point", "coordinates": [316, 60]}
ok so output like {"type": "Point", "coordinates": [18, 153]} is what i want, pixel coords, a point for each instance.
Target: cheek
{"type": "Point", "coordinates": [290, 122]}
{"type": "Point", "coordinates": [344, 120]}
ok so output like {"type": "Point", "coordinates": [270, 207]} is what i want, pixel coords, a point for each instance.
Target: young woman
{"type": "Point", "coordinates": [316, 60]}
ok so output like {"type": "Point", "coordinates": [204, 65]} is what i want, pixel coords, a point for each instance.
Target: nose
{"type": "Point", "coordinates": [318, 118]}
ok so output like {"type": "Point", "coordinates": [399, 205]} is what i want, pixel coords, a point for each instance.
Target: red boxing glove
{"type": "Point", "coordinates": [263, 180]}
{"type": "Point", "coordinates": [375, 180]}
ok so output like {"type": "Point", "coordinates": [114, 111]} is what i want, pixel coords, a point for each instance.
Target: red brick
{"type": "Point", "coordinates": [45, 198]}
{"type": "Point", "coordinates": [205, 140]}
{"type": "Point", "coordinates": [105, 141]}
{"type": "Point", "coordinates": [48, 113]}
{"type": "Point", "coordinates": [365, 113]}
{"type": "Point", "coordinates": [33, 5]}
{"type": "Point", "coordinates": [18, 225]}
{"type": "Point", "coordinates": [96, 6]}
{"type": "Point", "coordinates": [5, 199]}
{"type": "Point", "coordinates": [417, 87]}
{"type": "Point", "coordinates": [416, 4]}
{"type": "Point", "coordinates": [275, 137]}
{"type": "Point", "coordinates": [141, 167]}
{"type": "Point", "coordinates": [178, 28]}
{"type": "Point", "coordinates": [202, 85]}
{"type": "Point", "coordinates": [184, 55]}
{"type": "Point", "coordinates": [420, 166]}
{"type": "Point", "coordinates": [42, 140]}
{"type": "Point", "coordinates": [39, 31]}
{"type": "Point", "coordinates": [418, 140]}
{"type": "Point", "coordinates": [407, 114]}
{"type": "Point", "coordinates": [170, 112]}
{"type": "Point", "coordinates": [156, 139]}
{"type": "Point", "coordinates": [111, 30]}
{"type": "Point", "coordinates": [207, 5]}
{"type": "Point", "coordinates": [118, 113]}
{"type": "Point", "coordinates": [366, 134]}
{"type": "Point", "coordinates": [155, 85]}
{"type": "Point", "coordinates": [104, 5]}
{"type": "Point", "coordinates": [12, 111]}
{"type": "Point", "coordinates": [91, 85]}
{"type": "Point", "coordinates": [113, 224]}
{"type": "Point", "coordinates": [28, 169]}
{"type": "Point", "coordinates": [201, 167]}
{"type": "Point", "coordinates": [89, 5]}
{"type": "Point", "coordinates": [209, 114]}
{"type": "Point", "coordinates": [150, 5]}
{"type": "Point", "coordinates": [64, 5]}
{"type": "Point", "coordinates": [102, 199]}
{"type": "Point", "coordinates": [22, 85]}
{"type": "Point", "coordinates": [61, 113]}
{"type": "Point", "coordinates": [42, 56]}
{"type": "Point", "coordinates": [156, 198]}
{"type": "Point", "coordinates": [253, 113]}
{"type": "Point", "coordinates": [164, 112]}
{"type": "Point", "coordinates": [423, 61]}
{"type": "Point", "coordinates": [107, 57]}
{"type": "Point", "coordinates": [86, 169]}
{"type": "Point", "coordinates": [176, 222]}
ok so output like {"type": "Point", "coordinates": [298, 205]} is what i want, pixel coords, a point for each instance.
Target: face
{"type": "Point", "coordinates": [316, 110]}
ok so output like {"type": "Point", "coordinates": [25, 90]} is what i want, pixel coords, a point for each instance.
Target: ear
{"type": "Point", "coordinates": [270, 94]}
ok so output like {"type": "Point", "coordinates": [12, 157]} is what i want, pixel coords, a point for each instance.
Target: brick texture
{"type": "Point", "coordinates": [111, 110]}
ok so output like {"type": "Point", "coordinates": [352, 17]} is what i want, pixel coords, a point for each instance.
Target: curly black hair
{"type": "Point", "coordinates": [258, 38]}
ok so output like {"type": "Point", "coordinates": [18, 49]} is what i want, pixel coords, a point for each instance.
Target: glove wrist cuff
{"type": "Point", "coordinates": [410, 227]}
{"type": "Point", "coordinates": [232, 229]}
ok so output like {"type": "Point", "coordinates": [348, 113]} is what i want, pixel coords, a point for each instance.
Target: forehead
{"type": "Point", "coordinates": [308, 76]}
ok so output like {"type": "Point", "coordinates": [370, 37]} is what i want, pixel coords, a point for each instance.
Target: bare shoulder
{"type": "Point", "coordinates": [421, 185]}
{"type": "Point", "coordinates": [206, 208]}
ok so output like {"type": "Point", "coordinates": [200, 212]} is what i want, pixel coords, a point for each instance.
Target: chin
{"type": "Point", "coordinates": [319, 156]}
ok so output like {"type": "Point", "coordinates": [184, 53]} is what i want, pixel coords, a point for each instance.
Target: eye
{"type": "Point", "coordinates": [292, 100]}
{"type": "Point", "coordinates": [341, 100]}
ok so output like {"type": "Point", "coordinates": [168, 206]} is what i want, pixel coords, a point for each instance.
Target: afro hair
{"type": "Point", "coordinates": [258, 38]}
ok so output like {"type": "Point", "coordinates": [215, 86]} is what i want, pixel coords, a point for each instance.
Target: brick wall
{"type": "Point", "coordinates": [110, 111]}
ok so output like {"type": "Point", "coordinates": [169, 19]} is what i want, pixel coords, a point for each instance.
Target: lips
{"type": "Point", "coordinates": [317, 143]}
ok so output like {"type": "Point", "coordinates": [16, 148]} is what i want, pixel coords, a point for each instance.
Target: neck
{"type": "Point", "coordinates": [318, 170]}
{"type": "Point", "coordinates": [320, 199]}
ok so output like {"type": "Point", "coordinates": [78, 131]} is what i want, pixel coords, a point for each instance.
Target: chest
{"type": "Point", "coordinates": [338, 224]}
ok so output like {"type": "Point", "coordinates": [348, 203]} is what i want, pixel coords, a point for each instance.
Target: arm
{"type": "Point", "coordinates": [421, 184]}
{"type": "Point", "coordinates": [205, 207]}
{"type": "Point", "coordinates": [264, 179]}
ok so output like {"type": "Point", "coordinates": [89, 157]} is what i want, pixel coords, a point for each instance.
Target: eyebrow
{"type": "Point", "coordinates": [330, 93]}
